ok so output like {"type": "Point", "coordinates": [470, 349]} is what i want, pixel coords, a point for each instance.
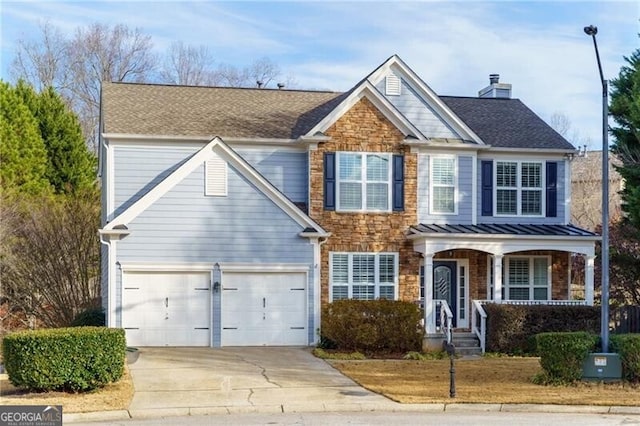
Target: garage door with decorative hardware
{"type": "Point", "coordinates": [167, 308]}
{"type": "Point", "coordinates": [267, 308]}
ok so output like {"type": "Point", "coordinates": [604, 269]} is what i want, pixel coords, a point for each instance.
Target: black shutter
{"type": "Point", "coordinates": [552, 189]}
{"type": "Point", "coordinates": [329, 180]}
{"type": "Point", "coordinates": [486, 173]}
{"type": "Point", "coordinates": [398, 183]}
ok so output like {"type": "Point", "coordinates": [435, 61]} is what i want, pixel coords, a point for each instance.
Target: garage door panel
{"type": "Point", "coordinates": [262, 309]}
{"type": "Point", "coordinates": [166, 308]}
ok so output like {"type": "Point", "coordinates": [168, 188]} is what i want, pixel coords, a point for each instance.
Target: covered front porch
{"type": "Point", "coordinates": [465, 266]}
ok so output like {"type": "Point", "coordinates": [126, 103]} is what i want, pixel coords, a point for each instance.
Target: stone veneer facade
{"type": "Point", "coordinates": [365, 129]}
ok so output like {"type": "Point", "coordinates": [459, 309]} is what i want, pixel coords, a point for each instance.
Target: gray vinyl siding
{"type": "Point", "coordinates": [139, 169]}
{"type": "Point", "coordinates": [464, 214]}
{"type": "Point", "coordinates": [186, 226]}
{"type": "Point", "coordinates": [418, 112]}
{"type": "Point", "coordinates": [561, 204]}
{"type": "Point", "coordinates": [287, 171]}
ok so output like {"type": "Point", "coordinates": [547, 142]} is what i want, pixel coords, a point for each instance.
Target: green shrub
{"type": "Point", "coordinates": [93, 317]}
{"type": "Point", "coordinates": [373, 326]}
{"type": "Point", "coordinates": [511, 328]}
{"type": "Point", "coordinates": [321, 353]}
{"type": "Point", "coordinates": [68, 359]}
{"type": "Point", "coordinates": [562, 355]}
{"type": "Point", "coordinates": [628, 346]}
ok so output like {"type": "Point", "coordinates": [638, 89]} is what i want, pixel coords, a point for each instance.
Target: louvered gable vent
{"type": "Point", "coordinates": [215, 177]}
{"type": "Point", "coordinates": [393, 84]}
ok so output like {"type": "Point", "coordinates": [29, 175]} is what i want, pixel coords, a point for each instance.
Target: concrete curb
{"type": "Point", "coordinates": [311, 407]}
{"type": "Point", "coordinates": [95, 416]}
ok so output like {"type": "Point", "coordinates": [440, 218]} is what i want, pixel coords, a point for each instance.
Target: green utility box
{"type": "Point", "coordinates": [601, 366]}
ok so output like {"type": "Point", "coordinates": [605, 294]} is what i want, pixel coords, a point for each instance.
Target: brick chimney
{"type": "Point", "coordinates": [495, 89]}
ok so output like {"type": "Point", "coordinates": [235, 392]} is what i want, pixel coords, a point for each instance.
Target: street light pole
{"type": "Point", "coordinates": [604, 320]}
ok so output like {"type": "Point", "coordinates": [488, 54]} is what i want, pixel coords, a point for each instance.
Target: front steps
{"type": "Point", "coordinates": [466, 344]}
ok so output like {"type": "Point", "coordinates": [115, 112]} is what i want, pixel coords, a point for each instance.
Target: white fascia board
{"type": "Point", "coordinates": [218, 147]}
{"type": "Point", "coordinates": [493, 237]}
{"type": "Point", "coordinates": [416, 83]}
{"type": "Point", "coordinates": [149, 139]}
{"type": "Point", "coordinates": [502, 244]}
{"type": "Point", "coordinates": [367, 90]}
{"type": "Point", "coordinates": [428, 146]}
{"type": "Point", "coordinates": [531, 151]}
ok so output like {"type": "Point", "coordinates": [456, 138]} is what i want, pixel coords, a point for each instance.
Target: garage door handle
{"type": "Point", "coordinates": [264, 302]}
{"type": "Point", "coordinates": [166, 302]}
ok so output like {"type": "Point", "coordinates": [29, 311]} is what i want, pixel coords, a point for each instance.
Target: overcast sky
{"type": "Point", "coordinates": [537, 46]}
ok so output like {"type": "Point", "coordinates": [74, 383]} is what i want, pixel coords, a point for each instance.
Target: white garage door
{"type": "Point", "coordinates": [166, 308]}
{"type": "Point", "coordinates": [264, 309]}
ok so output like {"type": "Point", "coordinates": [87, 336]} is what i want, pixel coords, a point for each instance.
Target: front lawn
{"type": "Point", "coordinates": [483, 380]}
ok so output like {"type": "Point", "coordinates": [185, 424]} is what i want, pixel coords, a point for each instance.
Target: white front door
{"type": "Point", "coordinates": [264, 308]}
{"type": "Point", "coordinates": [166, 308]}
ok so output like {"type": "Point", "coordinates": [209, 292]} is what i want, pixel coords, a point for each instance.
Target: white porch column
{"type": "Point", "coordinates": [429, 306]}
{"type": "Point", "coordinates": [588, 279]}
{"type": "Point", "coordinates": [497, 277]}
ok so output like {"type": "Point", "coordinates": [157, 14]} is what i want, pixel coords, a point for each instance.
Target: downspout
{"type": "Point", "coordinates": [109, 314]}
{"type": "Point", "coordinates": [318, 287]}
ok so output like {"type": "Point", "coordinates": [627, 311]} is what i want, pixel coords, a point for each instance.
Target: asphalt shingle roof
{"type": "Point", "coordinates": [154, 109]}
{"type": "Point", "coordinates": [505, 123]}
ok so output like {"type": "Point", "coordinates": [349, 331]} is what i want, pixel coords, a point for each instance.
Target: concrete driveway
{"type": "Point", "coordinates": [192, 381]}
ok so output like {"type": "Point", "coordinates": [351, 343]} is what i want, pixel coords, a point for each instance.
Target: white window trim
{"type": "Point", "coordinates": [519, 188]}
{"type": "Point", "coordinates": [455, 185]}
{"type": "Point", "coordinates": [363, 182]}
{"type": "Point", "coordinates": [505, 276]}
{"type": "Point", "coordinates": [377, 283]}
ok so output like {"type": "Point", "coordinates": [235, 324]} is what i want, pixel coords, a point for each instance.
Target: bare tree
{"type": "Point", "coordinates": [76, 67]}
{"type": "Point", "coordinates": [42, 63]}
{"type": "Point", "coordinates": [101, 53]}
{"type": "Point", "coordinates": [264, 70]}
{"type": "Point", "coordinates": [50, 258]}
{"type": "Point", "coordinates": [188, 65]}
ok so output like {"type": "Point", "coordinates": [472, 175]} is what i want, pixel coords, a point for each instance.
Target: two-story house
{"type": "Point", "coordinates": [231, 216]}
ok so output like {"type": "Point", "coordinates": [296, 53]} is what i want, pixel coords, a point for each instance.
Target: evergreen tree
{"type": "Point", "coordinates": [70, 165]}
{"type": "Point", "coordinates": [625, 109]}
{"type": "Point", "coordinates": [23, 156]}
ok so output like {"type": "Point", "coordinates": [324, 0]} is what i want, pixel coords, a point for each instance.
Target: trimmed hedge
{"type": "Point", "coordinates": [68, 359]}
{"type": "Point", "coordinates": [372, 326]}
{"type": "Point", "coordinates": [511, 328]}
{"type": "Point", "coordinates": [628, 346]}
{"type": "Point", "coordinates": [562, 355]}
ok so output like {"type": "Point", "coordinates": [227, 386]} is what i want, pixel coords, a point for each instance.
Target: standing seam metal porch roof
{"type": "Point", "coordinates": [503, 229]}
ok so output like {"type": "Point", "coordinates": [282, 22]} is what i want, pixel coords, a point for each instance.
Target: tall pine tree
{"type": "Point", "coordinates": [70, 165]}
{"type": "Point", "coordinates": [625, 109]}
{"type": "Point", "coordinates": [23, 156]}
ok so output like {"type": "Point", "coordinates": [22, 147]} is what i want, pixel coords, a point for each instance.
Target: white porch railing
{"type": "Point", "coordinates": [479, 322]}
{"type": "Point", "coordinates": [479, 315]}
{"type": "Point", "coordinates": [446, 320]}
